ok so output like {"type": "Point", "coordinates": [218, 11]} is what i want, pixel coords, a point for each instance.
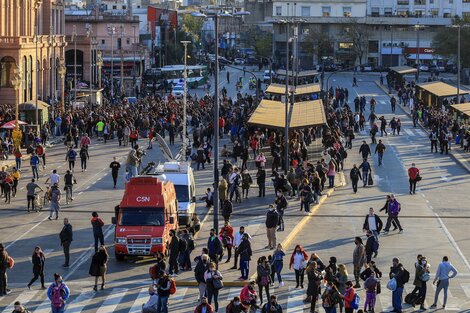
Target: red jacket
{"type": "Point", "coordinates": [292, 256]}
{"type": "Point", "coordinates": [413, 172]}
{"type": "Point", "coordinates": [209, 309]}
{"type": "Point", "coordinates": [349, 297]}
{"type": "Point", "coordinates": [229, 230]}
{"type": "Point", "coordinates": [246, 295]}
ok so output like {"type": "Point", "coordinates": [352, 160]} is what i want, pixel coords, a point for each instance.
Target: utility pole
{"type": "Point", "coordinates": [458, 64]}
{"type": "Point", "coordinates": [89, 32]}
{"type": "Point", "coordinates": [286, 128]}
{"type": "Point", "coordinates": [216, 125]}
{"type": "Point", "coordinates": [111, 30]}
{"type": "Point", "coordinates": [74, 38]}
{"type": "Point", "coordinates": [133, 64]}
{"type": "Point", "coordinates": [122, 60]}
{"type": "Point", "coordinates": [185, 43]}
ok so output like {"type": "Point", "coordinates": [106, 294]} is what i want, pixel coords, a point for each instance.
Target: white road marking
{"type": "Point", "coordinates": [233, 292]}
{"type": "Point", "coordinates": [466, 289]}
{"type": "Point", "coordinates": [141, 299]}
{"type": "Point", "coordinates": [24, 298]}
{"type": "Point", "coordinates": [409, 132]}
{"type": "Point", "coordinates": [295, 303]}
{"type": "Point", "coordinates": [420, 132]}
{"type": "Point", "coordinates": [385, 299]}
{"type": "Point", "coordinates": [25, 233]}
{"type": "Point", "coordinates": [452, 240]}
{"type": "Point", "coordinates": [180, 293]}
{"type": "Point", "coordinates": [445, 178]}
{"type": "Point", "coordinates": [112, 301]}
{"type": "Point", "coordinates": [79, 303]}
{"type": "Point", "coordinates": [44, 307]}
{"type": "Point", "coordinates": [47, 251]}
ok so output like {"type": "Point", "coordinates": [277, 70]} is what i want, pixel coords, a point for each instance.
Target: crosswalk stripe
{"type": "Point", "coordinates": [385, 300]}
{"type": "Point", "coordinates": [420, 132]}
{"type": "Point", "coordinates": [24, 297]}
{"type": "Point", "coordinates": [295, 303]}
{"type": "Point", "coordinates": [466, 289]}
{"type": "Point", "coordinates": [77, 305]}
{"type": "Point", "coordinates": [112, 301]}
{"type": "Point", "coordinates": [137, 306]}
{"type": "Point", "coordinates": [179, 294]}
{"type": "Point", "coordinates": [44, 307]}
{"type": "Point", "coordinates": [233, 292]}
{"type": "Point", "coordinates": [408, 132]}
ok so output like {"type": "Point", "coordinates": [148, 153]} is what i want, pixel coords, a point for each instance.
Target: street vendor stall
{"type": "Point", "coordinates": [396, 76]}
{"type": "Point", "coordinates": [434, 93]}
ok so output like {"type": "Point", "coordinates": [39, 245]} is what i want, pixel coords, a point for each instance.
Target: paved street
{"type": "Point", "coordinates": [432, 220]}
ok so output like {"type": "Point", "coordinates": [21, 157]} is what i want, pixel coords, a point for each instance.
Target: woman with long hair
{"type": "Point", "coordinates": [38, 259]}
{"type": "Point", "coordinates": [98, 266]}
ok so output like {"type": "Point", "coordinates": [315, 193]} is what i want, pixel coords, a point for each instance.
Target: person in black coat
{"type": "Point", "coordinates": [373, 223]}
{"type": "Point", "coordinates": [38, 259]}
{"type": "Point", "coordinates": [66, 238]}
{"type": "Point", "coordinates": [98, 266]}
{"type": "Point", "coordinates": [174, 252]}
{"type": "Point", "coordinates": [355, 175]}
{"type": "Point", "coordinates": [261, 181]}
{"type": "Point", "coordinates": [371, 246]}
{"type": "Point", "coordinates": [272, 219]}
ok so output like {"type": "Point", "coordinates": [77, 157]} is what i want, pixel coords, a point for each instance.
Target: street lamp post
{"type": "Point", "coordinates": [133, 63]}
{"type": "Point", "coordinates": [89, 32]}
{"type": "Point", "coordinates": [16, 133]}
{"type": "Point", "coordinates": [286, 128]}
{"type": "Point", "coordinates": [121, 89]}
{"type": "Point", "coordinates": [62, 71]}
{"type": "Point", "coordinates": [111, 32]}
{"type": "Point", "coordinates": [185, 86]}
{"type": "Point", "coordinates": [37, 5]}
{"type": "Point", "coordinates": [99, 63]}
{"type": "Point", "coordinates": [74, 39]}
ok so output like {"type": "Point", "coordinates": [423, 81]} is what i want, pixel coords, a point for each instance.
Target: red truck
{"type": "Point", "coordinates": [144, 218]}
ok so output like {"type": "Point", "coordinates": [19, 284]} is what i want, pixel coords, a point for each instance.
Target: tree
{"type": "Point", "coordinates": [317, 43]}
{"type": "Point", "coordinates": [358, 35]}
{"type": "Point", "coordinates": [192, 25]}
{"type": "Point", "coordinates": [261, 41]}
{"type": "Point", "coordinates": [445, 42]}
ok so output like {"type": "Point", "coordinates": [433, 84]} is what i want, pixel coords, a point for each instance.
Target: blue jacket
{"type": "Point", "coordinates": [34, 161]}
{"type": "Point", "coordinates": [65, 289]}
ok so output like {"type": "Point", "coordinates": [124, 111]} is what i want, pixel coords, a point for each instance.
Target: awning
{"type": "Point", "coordinates": [12, 124]}
{"type": "Point", "coordinates": [304, 114]}
{"type": "Point", "coordinates": [441, 89]}
{"type": "Point", "coordinates": [462, 107]}
{"type": "Point", "coordinates": [300, 90]}
{"type": "Point", "coordinates": [403, 69]}
{"type": "Point", "coordinates": [31, 106]}
{"type": "Point", "coordinates": [299, 74]}
{"type": "Point", "coordinates": [426, 56]}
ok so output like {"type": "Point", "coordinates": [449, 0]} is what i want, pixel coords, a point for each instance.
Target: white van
{"type": "Point", "coordinates": [181, 175]}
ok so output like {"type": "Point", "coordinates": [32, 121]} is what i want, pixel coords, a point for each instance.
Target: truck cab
{"type": "Point", "coordinates": [182, 177]}
{"type": "Point", "coordinates": [144, 218]}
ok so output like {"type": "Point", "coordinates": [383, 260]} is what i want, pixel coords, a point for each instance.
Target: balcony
{"type": "Point", "coordinates": [399, 20]}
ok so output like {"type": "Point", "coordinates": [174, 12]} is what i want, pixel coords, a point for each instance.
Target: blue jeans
{"type": "Point", "coordinates": [162, 304]}
{"type": "Point", "coordinates": [365, 177]}
{"type": "Point", "coordinates": [18, 163]}
{"type": "Point", "coordinates": [397, 296]}
{"type": "Point", "coordinates": [244, 268]}
{"type": "Point", "coordinates": [330, 310]}
{"type": "Point", "coordinates": [381, 155]}
{"type": "Point", "coordinates": [57, 310]}
{"type": "Point", "coordinates": [35, 171]}
{"type": "Point", "coordinates": [132, 170]}
{"type": "Point", "coordinates": [305, 205]}
{"type": "Point", "coordinates": [331, 180]}
{"type": "Point", "coordinates": [278, 268]}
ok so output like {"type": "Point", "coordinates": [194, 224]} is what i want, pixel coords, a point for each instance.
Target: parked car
{"type": "Point", "coordinates": [239, 61]}
{"type": "Point", "coordinates": [423, 68]}
{"type": "Point", "coordinates": [178, 91]}
{"type": "Point", "coordinates": [267, 76]}
{"type": "Point", "coordinates": [366, 68]}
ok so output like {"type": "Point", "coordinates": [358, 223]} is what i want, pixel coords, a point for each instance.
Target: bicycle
{"type": "Point", "coordinates": [68, 194]}
{"type": "Point", "coordinates": [46, 198]}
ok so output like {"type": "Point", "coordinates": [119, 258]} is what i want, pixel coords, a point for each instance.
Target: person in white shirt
{"type": "Point", "coordinates": [445, 271]}
{"type": "Point", "coordinates": [151, 305]}
{"type": "Point", "coordinates": [238, 236]}
{"type": "Point", "coordinates": [53, 178]}
{"type": "Point", "coordinates": [373, 223]}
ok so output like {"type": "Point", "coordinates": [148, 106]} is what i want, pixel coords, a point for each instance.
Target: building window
{"type": "Point", "coordinates": [375, 11]}
{"type": "Point", "coordinates": [114, 7]}
{"type": "Point", "coordinates": [7, 67]}
{"type": "Point", "coordinates": [373, 46]}
{"type": "Point", "coordinates": [434, 12]}
{"type": "Point", "coordinates": [347, 11]}
{"type": "Point", "coordinates": [388, 11]}
{"type": "Point", "coordinates": [420, 2]}
{"type": "Point", "coordinates": [278, 11]}
{"type": "Point", "coordinates": [103, 41]}
{"type": "Point", "coordinates": [345, 45]}
{"type": "Point", "coordinates": [403, 13]}
{"type": "Point", "coordinates": [326, 11]}
{"type": "Point", "coordinates": [403, 2]}
{"type": "Point", "coordinates": [305, 11]}
{"type": "Point", "coordinates": [124, 7]}
{"type": "Point", "coordinates": [128, 41]}
{"type": "Point", "coordinates": [466, 14]}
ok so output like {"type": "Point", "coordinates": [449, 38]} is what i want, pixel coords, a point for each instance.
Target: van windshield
{"type": "Point", "coordinates": [142, 217]}
{"type": "Point", "coordinates": [182, 193]}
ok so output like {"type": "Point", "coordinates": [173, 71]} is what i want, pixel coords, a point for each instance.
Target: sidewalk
{"type": "Point", "coordinates": [456, 153]}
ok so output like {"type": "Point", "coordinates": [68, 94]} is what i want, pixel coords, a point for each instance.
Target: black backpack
{"type": "Point", "coordinates": [406, 276]}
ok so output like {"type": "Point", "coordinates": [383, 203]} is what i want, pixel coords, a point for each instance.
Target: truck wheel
{"type": "Point", "coordinates": [119, 257]}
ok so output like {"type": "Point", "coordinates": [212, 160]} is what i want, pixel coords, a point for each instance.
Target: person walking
{"type": "Point", "coordinates": [66, 238]}
{"type": "Point", "coordinates": [4, 265]}
{"type": "Point", "coordinates": [199, 271]}
{"type": "Point", "coordinates": [98, 266]}
{"type": "Point", "coordinates": [433, 136]}
{"type": "Point", "coordinates": [71, 157]}
{"type": "Point", "coordinates": [413, 177]}
{"type": "Point", "coordinates": [355, 175]}
{"type": "Point", "coordinates": [213, 279]}
{"type": "Point", "coordinates": [34, 162]}
{"type": "Point", "coordinates": [174, 252]}
{"type": "Point", "coordinates": [39, 260]}
{"type": "Point", "coordinates": [314, 278]}
{"type": "Point", "coordinates": [84, 156]}
{"type": "Point", "coordinates": [359, 259]}
{"type": "Point", "coordinates": [245, 252]}
{"type": "Point", "coordinates": [114, 166]}
{"type": "Point", "coordinates": [298, 260]}
{"type": "Point", "coordinates": [371, 247]}
{"type": "Point", "coordinates": [214, 245]}
{"type": "Point", "coordinates": [54, 196]}
{"type": "Point", "coordinates": [97, 225]}
{"type": "Point", "coordinates": [366, 169]}
{"type": "Point", "coordinates": [58, 293]}
{"type": "Point", "coordinates": [69, 181]}
{"type": "Point", "coordinates": [227, 209]}
{"type": "Point", "coordinates": [163, 291]}
{"type": "Point", "coordinates": [373, 223]}
{"type": "Point", "coordinates": [401, 276]}
{"type": "Point", "coordinates": [223, 188]}
{"type": "Point", "coordinates": [263, 271]}
{"type": "Point", "coordinates": [394, 208]}
{"type": "Point", "coordinates": [31, 193]}
{"type": "Point", "coordinates": [380, 149]}
{"type": "Point", "coordinates": [445, 272]}
{"type": "Point", "coordinates": [272, 220]}
{"type": "Point", "coordinates": [364, 150]}
{"type": "Point", "coordinates": [278, 263]}
{"type": "Point", "coordinates": [15, 175]}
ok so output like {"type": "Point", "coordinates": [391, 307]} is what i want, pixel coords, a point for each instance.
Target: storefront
{"type": "Point", "coordinates": [426, 56]}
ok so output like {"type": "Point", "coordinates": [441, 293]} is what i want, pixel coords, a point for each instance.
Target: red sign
{"type": "Point", "coordinates": [421, 50]}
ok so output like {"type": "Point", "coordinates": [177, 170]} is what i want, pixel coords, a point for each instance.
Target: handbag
{"type": "Point", "coordinates": [392, 284]}
{"type": "Point", "coordinates": [370, 180]}
{"type": "Point", "coordinates": [264, 281]}
{"type": "Point", "coordinates": [217, 284]}
{"type": "Point", "coordinates": [425, 277]}
{"type": "Point", "coordinates": [418, 177]}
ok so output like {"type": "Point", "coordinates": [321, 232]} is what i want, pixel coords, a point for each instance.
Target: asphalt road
{"type": "Point", "coordinates": [434, 226]}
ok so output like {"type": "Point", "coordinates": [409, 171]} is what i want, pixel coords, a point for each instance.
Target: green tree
{"type": "Point", "coordinates": [317, 43]}
{"type": "Point", "coordinates": [261, 41]}
{"type": "Point", "coordinates": [445, 42]}
{"type": "Point", "coordinates": [193, 26]}
{"type": "Point", "coordinates": [358, 35]}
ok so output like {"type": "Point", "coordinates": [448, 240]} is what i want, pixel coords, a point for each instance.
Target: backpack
{"type": "Point", "coordinates": [57, 296]}
{"type": "Point", "coordinates": [172, 286]}
{"type": "Point", "coordinates": [375, 245]}
{"type": "Point", "coordinates": [394, 209]}
{"type": "Point", "coordinates": [355, 302]}
{"type": "Point", "coordinates": [406, 276]}
{"type": "Point", "coordinates": [153, 272]}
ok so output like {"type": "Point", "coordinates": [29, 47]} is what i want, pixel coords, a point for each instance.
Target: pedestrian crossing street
{"type": "Point", "coordinates": [410, 132]}
{"type": "Point", "coordinates": [122, 297]}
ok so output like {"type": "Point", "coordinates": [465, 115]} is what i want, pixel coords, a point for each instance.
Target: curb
{"type": "Point", "coordinates": [451, 154]}
{"type": "Point", "coordinates": [286, 241]}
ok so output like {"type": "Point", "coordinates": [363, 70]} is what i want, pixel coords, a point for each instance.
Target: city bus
{"type": "Point", "coordinates": [173, 74]}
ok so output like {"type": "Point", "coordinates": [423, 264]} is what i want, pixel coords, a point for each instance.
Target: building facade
{"type": "Point", "coordinates": [391, 32]}
{"type": "Point", "coordinates": [32, 39]}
